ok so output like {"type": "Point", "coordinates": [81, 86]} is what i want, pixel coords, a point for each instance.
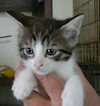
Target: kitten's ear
{"type": "Point", "coordinates": [25, 20]}
{"type": "Point", "coordinates": [71, 30]}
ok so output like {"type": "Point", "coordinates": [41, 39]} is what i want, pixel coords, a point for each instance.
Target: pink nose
{"type": "Point", "coordinates": [38, 65]}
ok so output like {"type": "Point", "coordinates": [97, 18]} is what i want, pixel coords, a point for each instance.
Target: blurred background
{"type": "Point", "coordinates": [87, 52]}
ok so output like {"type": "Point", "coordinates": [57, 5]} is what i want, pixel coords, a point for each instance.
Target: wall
{"type": "Point", "coordinates": [8, 46]}
{"type": "Point", "coordinates": [62, 9]}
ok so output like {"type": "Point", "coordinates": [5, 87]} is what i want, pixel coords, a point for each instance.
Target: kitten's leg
{"type": "Point", "coordinates": [73, 94]}
{"type": "Point", "coordinates": [24, 84]}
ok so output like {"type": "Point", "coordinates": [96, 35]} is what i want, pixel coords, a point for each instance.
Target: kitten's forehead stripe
{"type": "Point", "coordinates": [42, 33]}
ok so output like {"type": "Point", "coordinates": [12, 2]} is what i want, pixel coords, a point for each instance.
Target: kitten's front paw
{"type": "Point", "coordinates": [22, 88]}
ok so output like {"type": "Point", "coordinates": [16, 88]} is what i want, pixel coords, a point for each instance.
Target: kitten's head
{"type": "Point", "coordinates": [45, 43]}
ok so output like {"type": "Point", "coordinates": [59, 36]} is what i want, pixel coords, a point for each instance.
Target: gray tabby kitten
{"type": "Point", "coordinates": [47, 45]}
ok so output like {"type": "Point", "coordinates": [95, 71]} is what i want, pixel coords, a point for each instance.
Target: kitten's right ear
{"type": "Point", "coordinates": [71, 30]}
{"type": "Point", "coordinates": [25, 20]}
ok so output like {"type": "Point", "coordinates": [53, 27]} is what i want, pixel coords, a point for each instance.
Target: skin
{"type": "Point", "coordinates": [53, 87]}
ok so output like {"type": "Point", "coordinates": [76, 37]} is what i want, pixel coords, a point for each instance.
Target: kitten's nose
{"type": "Point", "coordinates": [38, 65]}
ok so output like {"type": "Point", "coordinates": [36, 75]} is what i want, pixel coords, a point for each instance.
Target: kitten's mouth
{"type": "Point", "coordinates": [40, 71]}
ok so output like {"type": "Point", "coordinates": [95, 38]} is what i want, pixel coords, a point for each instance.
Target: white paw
{"type": "Point", "coordinates": [73, 94]}
{"type": "Point", "coordinates": [22, 88]}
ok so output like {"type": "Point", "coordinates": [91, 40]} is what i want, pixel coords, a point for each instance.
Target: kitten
{"type": "Point", "coordinates": [46, 45]}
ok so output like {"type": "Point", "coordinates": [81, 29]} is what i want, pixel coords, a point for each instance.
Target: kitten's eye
{"type": "Point", "coordinates": [51, 52]}
{"type": "Point", "coordinates": [28, 51]}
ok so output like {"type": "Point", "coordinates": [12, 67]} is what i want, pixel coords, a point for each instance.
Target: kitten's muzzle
{"type": "Point", "coordinates": [38, 66]}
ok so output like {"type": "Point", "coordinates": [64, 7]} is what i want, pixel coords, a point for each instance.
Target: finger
{"type": "Point", "coordinates": [53, 86]}
{"type": "Point", "coordinates": [19, 64]}
{"type": "Point", "coordinates": [35, 99]}
{"type": "Point", "coordinates": [19, 67]}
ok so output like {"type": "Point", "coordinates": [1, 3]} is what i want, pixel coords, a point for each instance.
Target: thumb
{"type": "Point", "coordinates": [53, 86]}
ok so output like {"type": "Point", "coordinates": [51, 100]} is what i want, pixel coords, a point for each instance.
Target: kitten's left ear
{"type": "Point", "coordinates": [24, 20]}
{"type": "Point", "coordinates": [71, 30]}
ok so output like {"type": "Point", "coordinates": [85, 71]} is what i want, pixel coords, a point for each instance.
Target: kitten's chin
{"type": "Point", "coordinates": [40, 72]}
